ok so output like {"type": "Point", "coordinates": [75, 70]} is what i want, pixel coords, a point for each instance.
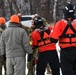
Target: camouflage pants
{"type": "Point", "coordinates": [2, 63]}
{"type": "Point", "coordinates": [31, 68]}
{"type": "Point", "coordinates": [31, 65]}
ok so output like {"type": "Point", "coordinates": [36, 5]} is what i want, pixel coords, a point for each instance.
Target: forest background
{"type": "Point", "coordinates": [51, 10]}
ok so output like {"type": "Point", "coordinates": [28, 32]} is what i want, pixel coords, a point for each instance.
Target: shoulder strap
{"type": "Point", "coordinates": [42, 32]}
{"type": "Point", "coordinates": [69, 25]}
{"type": "Point", "coordinates": [45, 40]}
{"type": "Point", "coordinates": [65, 30]}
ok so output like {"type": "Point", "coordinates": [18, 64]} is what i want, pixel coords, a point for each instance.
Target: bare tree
{"type": "Point", "coordinates": [31, 10]}
{"type": "Point", "coordinates": [49, 9]}
{"type": "Point", "coordinates": [15, 5]}
{"type": "Point", "coordinates": [54, 11]}
{"type": "Point", "coordinates": [45, 9]}
{"type": "Point", "coordinates": [10, 7]}
{"type": "Point", "coordinates": [25, 1]}
{"type": "Point", "coordinates": [2, 8]}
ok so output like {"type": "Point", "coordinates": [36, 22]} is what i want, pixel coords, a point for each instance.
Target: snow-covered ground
{"type": "Point", "coordinates": [57, 47]}
{"type": "Point", "coordinates": [27, 71]}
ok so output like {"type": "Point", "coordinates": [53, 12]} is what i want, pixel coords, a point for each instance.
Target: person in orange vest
{"type": "Point", "coordinates": [31, 65]}
{"type": "Point", "coordinates": [47, 50]}
{"type": "Point", "coordinates": [65, 31]}
{"type": "Point", "coordinates": [2, 60]}
{"type": "Point", "coordinates": [48, 69]}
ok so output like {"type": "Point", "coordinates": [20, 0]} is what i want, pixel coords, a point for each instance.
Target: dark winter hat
{"type": "Point", "coordinates": [38, 22]}
{"type": "Point", "coordinates": [69, 9]}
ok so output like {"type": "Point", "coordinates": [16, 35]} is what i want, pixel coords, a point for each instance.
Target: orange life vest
{"type": "Point", "coordinates": [41, 39]}
{"type": "Point", "coordinates": [44, 38]}
{"type": "Point", "coordinates": [68, 37]}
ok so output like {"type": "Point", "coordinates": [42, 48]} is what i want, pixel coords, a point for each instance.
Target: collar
{"type": "Point", "coordinates": [12, 24]}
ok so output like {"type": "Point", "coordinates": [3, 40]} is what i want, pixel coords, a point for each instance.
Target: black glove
{"type": "Point", "coordinates": [3, 57]}
{"type": "Point", "coordinates": [30, 57]}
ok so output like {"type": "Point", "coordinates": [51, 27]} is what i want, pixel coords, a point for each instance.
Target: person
{"type": "Point", "coordinates": [2, 28]}
{"type": "Point", "coordinates": [26, 28]}
{"type": "Point", "coordinates": [15, 44]}
{"type": "Point", "coordinates": [31, 64]}
{"type": "Point", "coordinates": [65, 32]}
{"type": "Point", "coordinates": [47, 50]}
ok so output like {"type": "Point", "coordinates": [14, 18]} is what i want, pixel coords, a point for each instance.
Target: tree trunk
{"type": "Point", "coordinates": [2, 12]}
{"type": "Point", "coordinates": [16, 7]}
{"type": "Point", "coordinates": [25, 1]}
{"type": "Point", "coordinates": [47, 10]}
{"type": "Point", "coordinates": [54, 10]}
{"type": "Point", "coordinates": [10, 7]}
{"type": "Point", "coordinates": [31, 11]}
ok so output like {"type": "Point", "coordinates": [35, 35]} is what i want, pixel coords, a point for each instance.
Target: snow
{"type": "Point", "coordinates": [27, 71]}
{"type": "Point", "coordinates": [58, 49]}
{"type": "Point", "coordinates": [3, 70]}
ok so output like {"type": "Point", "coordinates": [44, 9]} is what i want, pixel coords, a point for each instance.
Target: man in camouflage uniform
{"type": "Point", "coordinates": [2, 61]}
{"type": "Point", "coordinates": [28, 30]}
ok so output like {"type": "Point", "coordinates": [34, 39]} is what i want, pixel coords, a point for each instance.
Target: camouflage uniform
{"type": "Point", "coordinates": [28, 30]}
{"type": "Point", "coordinates": [31, 63]}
